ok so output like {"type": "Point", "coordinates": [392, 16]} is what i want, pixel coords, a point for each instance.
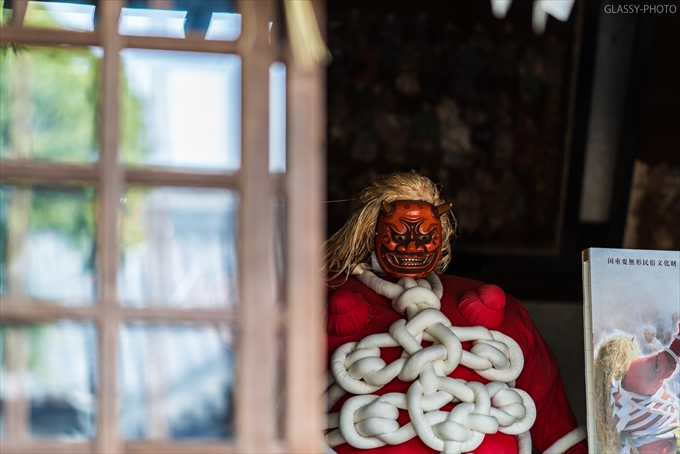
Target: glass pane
{"type": "Point", "coordinates": [277, 117]}
{"type": "Point", "coordinates": [62, 366]}
{"type": "Point", "coordinates": [178, 247]}
{"type": "Point", "coordinates": [74, 15]}
{"type": "Point", "coordinates": [48, 100]}
{"type": "Point", "coordinates": [5, 17]}
{"type": "Point", "coordinates": [47, 243]}
{"type": "Point", "coordinates": [185, 109]}
{"type": "Point", "coordinates": [214, 19]}
{"type": "Point", "coordinates": [176, 382]}
{"type": "Point", "coordinates": [53, 367]}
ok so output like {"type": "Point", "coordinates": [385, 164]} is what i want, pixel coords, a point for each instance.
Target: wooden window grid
{"type": "Point", "coordinates": [257, 317]}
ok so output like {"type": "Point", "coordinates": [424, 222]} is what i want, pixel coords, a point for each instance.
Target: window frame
{"type": "Point", "coordinates": [258, 319]}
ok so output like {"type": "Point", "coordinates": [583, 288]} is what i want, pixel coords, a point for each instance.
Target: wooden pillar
{"type": "Point", "coordinates": [255, 385]}
{"type": "Point", "coordinates": [111, 187]}
{"type": "Point", "coordinates": [306, 224]}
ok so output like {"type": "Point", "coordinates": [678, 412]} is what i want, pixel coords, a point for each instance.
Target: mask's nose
{"type": "Point", "coordinates": [411, 247]}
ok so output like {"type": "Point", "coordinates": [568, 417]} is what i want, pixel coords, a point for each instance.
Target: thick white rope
{"type": "Point", "coordinates": [368, 421]}
{"type": "Point", "coordinates": [571, 439]}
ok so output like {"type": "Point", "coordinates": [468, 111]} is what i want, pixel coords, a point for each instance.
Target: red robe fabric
{"type": "Point", "coordinates": [540, 377]}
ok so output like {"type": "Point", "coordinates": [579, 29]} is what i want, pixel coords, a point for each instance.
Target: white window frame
{"type": "Point", "coordinates": [257, 318]}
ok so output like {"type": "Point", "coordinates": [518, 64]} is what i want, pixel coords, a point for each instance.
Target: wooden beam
{"type": "Point", "coordinates": [157, 176]}
{"type": "Point", "coordinates": [24, 310]}
{"type": "Point", "coordinates": [160, 4]}
{"type": "Point", "coordinates": [45, 447]}
{"type": "Point", "coordinates": [306, 226]}
{"type": "Point", "coordinates": [56, 37]}
{"type": "Point", "coordinates": [20, 171]}
{"type": "Point", "coordinates": [25, 171]}
{"type": "Point", "coordinates": [47, 36]}
{"type": "Point", "coordinates": [174, 447]}
{"type": "Point", "coordinates": [188, 44]}
{"type": "Point", "coordinates": [255, 385]}
{"type": "Point", "coordinates": [178, 315]}
{"type": "Point", "coordinates": [137, 447]}
{"type": "Point", "coordinates": [181, 447]}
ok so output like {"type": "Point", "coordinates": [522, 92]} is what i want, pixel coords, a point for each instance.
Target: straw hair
{"type": "Point", "coordinates": [355, 241]}
{"type": "Point", "coordinates": [612, 363]}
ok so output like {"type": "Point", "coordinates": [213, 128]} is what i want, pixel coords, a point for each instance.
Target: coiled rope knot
{"type": "Point", "coordinates": [368, 421]}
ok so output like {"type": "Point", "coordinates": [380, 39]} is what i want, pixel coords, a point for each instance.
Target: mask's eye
{"type": "Point", "coordinates": [423, 237]}
{"type": "Point", "coordinates": [399, 238]}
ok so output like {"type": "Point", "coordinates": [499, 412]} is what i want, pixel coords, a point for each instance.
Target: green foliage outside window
{"type": "Point", "coordinates": [50, 111]}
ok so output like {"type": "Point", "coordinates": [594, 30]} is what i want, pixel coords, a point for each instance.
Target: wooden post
{"type": "Point", "coordinates": [16, 406]}
{"type": "Point", "coordinates": [19, 8]}
{"type": "Point", "coordinates": [16, 411]}
{"type": "Point", "coordinates": [111, 186]}
{"type": "Point", "coordinates": [306, 224]}
{"type": "Point", "coordinates": [255, 384]}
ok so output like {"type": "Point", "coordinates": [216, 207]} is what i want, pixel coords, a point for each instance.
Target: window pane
{"type": "Point", "coordinates": [179, 247]}
{"type": "Point", "coordinates": [214, 19]}
{"type": "Point", "coordinates": [48, 99]}
{"type": "Point", "coordinates": [176, 382]}
{"type": "Point", "coordinates": [277, 117]}
{"type": "Point", "coordinates": [72, 15]}
{"type": "Point", "coordinates": [188, 106]}
{"type": "Point", "coordinates": [62, 380]}
{"type": "Point", "coordinates": [53, 370]}
{"type": "Point", "coordinates": [47, 243]}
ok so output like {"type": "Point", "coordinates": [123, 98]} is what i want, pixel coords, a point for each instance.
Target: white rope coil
{"type": "Point", "coordinates": [367, 421]}
{"type": "Point", "coordinates": [571, 439]}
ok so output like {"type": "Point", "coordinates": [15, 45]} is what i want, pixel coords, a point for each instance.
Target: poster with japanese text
{"type": "Point", "coordinates": [631, 316]}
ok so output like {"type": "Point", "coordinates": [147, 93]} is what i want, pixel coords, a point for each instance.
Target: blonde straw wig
{"type": "Point", "coordinates": [355, 241]}
{"type": "Point", "coordinates": [612, 363]}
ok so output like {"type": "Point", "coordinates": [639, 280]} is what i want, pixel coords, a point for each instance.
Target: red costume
{"type": "Point", "coordinates": [433, 395]}
{"type": "Point", "coordinates": [355, 311]}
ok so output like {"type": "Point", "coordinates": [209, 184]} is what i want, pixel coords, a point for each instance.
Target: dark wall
{"type": "Point", "coordinates": [499, 117]}
{"type": "Point", "coordinates": [653, 208]}
{"type": "Point", "coordinates": [485, 107]}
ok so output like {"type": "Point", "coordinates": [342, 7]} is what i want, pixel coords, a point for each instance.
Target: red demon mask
{"type": "Point", "coordinates": [409, 237]}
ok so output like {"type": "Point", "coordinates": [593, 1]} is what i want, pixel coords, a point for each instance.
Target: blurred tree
{"type": "Point", "coordinates": [62, 89]}
{"type": "Point", "coordinates": [49, 111]}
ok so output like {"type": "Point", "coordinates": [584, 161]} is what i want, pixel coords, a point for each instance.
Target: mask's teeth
{"type": "Point", "coordinates": [409, 261]}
